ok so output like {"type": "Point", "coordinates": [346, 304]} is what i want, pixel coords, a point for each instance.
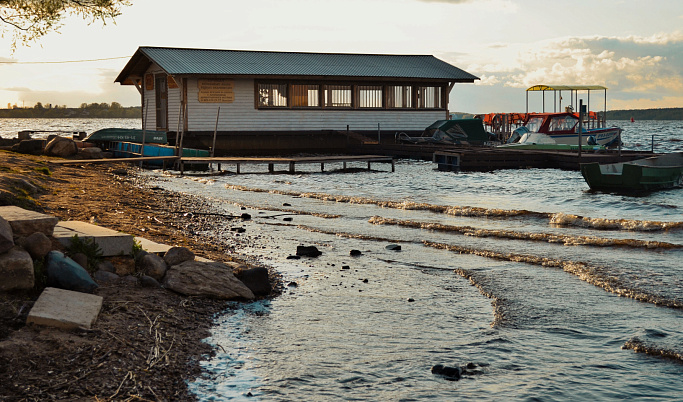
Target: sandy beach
{"type": "Point", "coordinates": [115, 360]}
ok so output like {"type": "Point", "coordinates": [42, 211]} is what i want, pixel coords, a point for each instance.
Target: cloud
{"type": "Point", "coordinates": [642, 70]}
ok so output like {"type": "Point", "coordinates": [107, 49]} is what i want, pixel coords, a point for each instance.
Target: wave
{"type": "Point", "coordinates": [639, 346]}
{"type": "Point", "coordinates": [567, 240]}
{"type": "Point", "coordinates": [556, 219]}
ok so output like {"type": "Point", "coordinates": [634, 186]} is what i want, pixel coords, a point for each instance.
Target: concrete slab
{"type": "Point", "coordinates": [110, 241]}
{"type": "Point", "coordinates": [152, 247]}
{"type": "Point", "coordinates": [65, 309]}
{"type": "Point", "coordinates": [25, 222]}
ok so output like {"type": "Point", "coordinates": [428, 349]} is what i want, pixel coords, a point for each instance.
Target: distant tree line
{"type": "Point", "coordinates": [675, 113]}
{"type": "Point", "coordinates": [92, 110]}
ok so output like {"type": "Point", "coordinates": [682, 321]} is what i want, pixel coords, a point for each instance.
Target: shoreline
{"type": "Point", "coordinates": [112, 360]}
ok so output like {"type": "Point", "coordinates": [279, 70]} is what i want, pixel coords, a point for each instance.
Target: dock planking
{"type": "Point", "coordinates": [290, 162]}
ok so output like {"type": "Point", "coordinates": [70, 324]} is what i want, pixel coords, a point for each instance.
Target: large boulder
{"type": "Point", "coordinates": [16, 270]}
{"type": "Point", "coordinates": [196, 278]}
{"type": "Point", "coordinates": [29, 146]}
{"type": "Point", "coordinates": [61, 146]}
{"type": "Point", "coordinates": [6, 236]}
{"type": "Point", "coordinates": [256, 280]}
{"type": "Point", "coordinates": [177, 255]}
{"type": "Point", "coordinates": [65, 273]}
{"type": "Point", "coordinates": [153, 265]}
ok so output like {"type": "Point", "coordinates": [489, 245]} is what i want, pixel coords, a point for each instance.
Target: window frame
{"type": "Point", "coordinates": [410, 88]}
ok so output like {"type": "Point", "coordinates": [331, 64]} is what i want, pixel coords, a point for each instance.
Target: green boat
{"type": "Point", "coordinates": [127, 135]}
{"type": "Point", "coordinates": [639, 176]}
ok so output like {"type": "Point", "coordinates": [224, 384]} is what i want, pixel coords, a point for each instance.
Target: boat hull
{"type": "Point", "coordinates": [632, 177]}
{"type": "Point", "coordinates": [127, 135]}
{"type": "Point", "coordinates": [606, 137]}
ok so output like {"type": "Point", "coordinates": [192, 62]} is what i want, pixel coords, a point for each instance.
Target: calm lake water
{"type": "Point", "coordinates": [552, 291]}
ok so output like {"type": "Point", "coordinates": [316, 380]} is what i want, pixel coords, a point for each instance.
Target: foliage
{"type": "Point", "coordinates": [88, 247]}
{"type": "Point", "coordinates": [137, 249]}
{"type": "Point", "coordinates": [44, 170]}
{"type": "Point", "coordinates": [39, 274]}
{"type": "Point", "coordinates": [29, 20]}
{"type": "Point", "coordinates": [646, 114]}
{"type": "Point", "coordinates": [92, 110]}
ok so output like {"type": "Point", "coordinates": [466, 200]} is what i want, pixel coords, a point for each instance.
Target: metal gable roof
{"type": "Point", "coordinates": [177, 61]}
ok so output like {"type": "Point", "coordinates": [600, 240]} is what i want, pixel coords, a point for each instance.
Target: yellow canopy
{"type": "Point", "coordinates": [566, 88]}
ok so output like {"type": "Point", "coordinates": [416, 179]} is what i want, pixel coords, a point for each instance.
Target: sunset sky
{"type": "Point", "coordinates": [635, 48]}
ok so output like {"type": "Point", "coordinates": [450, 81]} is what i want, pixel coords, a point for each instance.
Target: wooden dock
{"type": "Point", "coordinates": [290, 162]}
{"type": "Point", "coordinates": [495, 159]}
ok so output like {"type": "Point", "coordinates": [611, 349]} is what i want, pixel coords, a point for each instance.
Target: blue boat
{"type": "Point", "coordinates": [133, 149]}
{"type": "Point", "coordinates": [106, 135]}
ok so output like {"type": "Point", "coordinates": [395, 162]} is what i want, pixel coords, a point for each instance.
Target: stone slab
{"type": "Point", "coordinates": [65, 309]}
{"type": "Point", "coordinates": [152, 247]}
{"type": "Point", "coordinates": [25, 222]}
{"type": "Point", "coordinates": [110, 241]}
{"type": "Point", "coordinates": [160, 249]}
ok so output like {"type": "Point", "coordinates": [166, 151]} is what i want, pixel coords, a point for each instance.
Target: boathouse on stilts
{"type": "Point", "coordinates": [258, 102]}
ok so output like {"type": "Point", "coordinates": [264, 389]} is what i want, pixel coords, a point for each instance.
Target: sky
{"type": "Point", "coordinates": [633, 47]}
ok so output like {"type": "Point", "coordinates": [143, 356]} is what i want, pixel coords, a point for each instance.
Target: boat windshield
{"type": "Point", "coordinates": [563, 123]}
{"type": "Point", "coordinates": [534, 124]}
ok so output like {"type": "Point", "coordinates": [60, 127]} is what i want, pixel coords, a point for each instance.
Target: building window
{"type": "Point", "coordinates": [370, 96]}
{"type": "Point", "coordinates": [272, 95]}
{"type": "Point", "coordinates": [337, 96]}
{"type": "Point", "coordinates": [305, 95]}
{"type": "Point", "coordinates": [399, 96]}
{"type": "Point", "coordinates": [429, 98]}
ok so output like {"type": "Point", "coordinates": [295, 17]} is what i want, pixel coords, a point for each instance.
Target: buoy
{"type": "Point", "coordinates": [632, 120]}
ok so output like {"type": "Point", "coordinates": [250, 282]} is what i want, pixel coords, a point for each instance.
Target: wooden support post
{"type": "Point", "coordinates": [219, 167]}
{"type": "Point", "coordinates": [368, 165]}
{"type": "Point", "coordinates": [393, 168]}
{"type": "Point", "coordinates": [237, 168]}
{"type": "Point", "coordinates": [291, 167]}
{"type": "Point", "coordinates": [322, 167]}
{"type": "Point", "coordinates": [182, 167]}
{"type": "Point", "coordinates": [271, 167]}
{"type": "Point", "coordinates": [344, 165]}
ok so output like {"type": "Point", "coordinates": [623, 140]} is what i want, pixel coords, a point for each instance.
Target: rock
{"type": "Point", "coordinates": [65, 309]}
{"type": "Point", "coordinates": [149, 282]}
{"type": "Point", "coordinates": [245, 217]}
{"type": "Point", "coordinates": [293, 257]}
{"type": "Point", "coordinates": [6, 236]}
{"type": "Point", "coordinates": [120, 172]}
{"type": "Point", "coordinates": [292, 285]}
{"type": "Point", "coordinates": [29, 146]}
{"type": "Point", "coordinates": [81, 259]}
{"type": "Point", "coordinates": [123, 265]}
{"type": "Point", "coordinates": [16, 270]}
{"type": "Point", "coordinates": [130, 280]}
{"type": "Point", "coordinates": [287, 219]}
{"type": "Point", "coordinates": [449, 373]}
{"type": "Point", "coordinates": [410, 300]}
{"type": "Point", "coordinates": [61, 146]}
{"type": "Point", "coordinates": [238, 230]}
{"type": "Point", "coordinates": [346, 267]}
{"type": "Point", "coordinates": [286, 204]}
{"type": "Point", "coordinates": [106, 266]}
{"type": "Point", "coordinates": [37, 244]}
{"type": "Point", "coordinates": [177, 255]}
{"type": "Point", "coordinates": [308, 251]}
{"type": "Point", "coordinates": [104, 276]}
{"type": "Point", "coordinates": [153, 265]}
{"type": "Point", "coordinates": [393, 247]}
{"type": "Point", "coordinates": [355, 253]}
{"type": "Point", "coordinates": [256, 279]}
{"type": "Point", "coordinates": [65, 273]}
{"type": "Point", "coordinates": [90, 153]}
{"type": "Point", "coordinates": [196, 278]}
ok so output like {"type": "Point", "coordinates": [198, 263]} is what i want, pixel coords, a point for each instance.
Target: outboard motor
{"type": "Point", "coordinates": [591, 140]}
{"type": "Point", "coordinates": [517, 134]}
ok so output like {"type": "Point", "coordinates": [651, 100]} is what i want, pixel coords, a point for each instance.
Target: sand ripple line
{"type": "Point", "coordinates": [567, 240]}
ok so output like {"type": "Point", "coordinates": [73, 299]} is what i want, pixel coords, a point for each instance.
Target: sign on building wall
{"type": "Point", "coordinates": [216, 91]}
{"type": "Point", "coordinates": [149, 82]}
{"type": "Point", "coordinates": [171, 82]}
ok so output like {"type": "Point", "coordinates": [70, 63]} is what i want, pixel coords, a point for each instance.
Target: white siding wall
{"type": "Point", "coordinates": [241, 115]}
{"type": "Point", "coordinates": [149, 114]}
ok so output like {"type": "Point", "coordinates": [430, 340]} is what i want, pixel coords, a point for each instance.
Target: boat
{"type": "Point", "coordinates": [127, 135]}
{"type": "Point", "coordinates": [450, 132]}
{"type": "Point", "coordinates": [561, 129]}
{"type": "Point", "coordinates": [642, 175]}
